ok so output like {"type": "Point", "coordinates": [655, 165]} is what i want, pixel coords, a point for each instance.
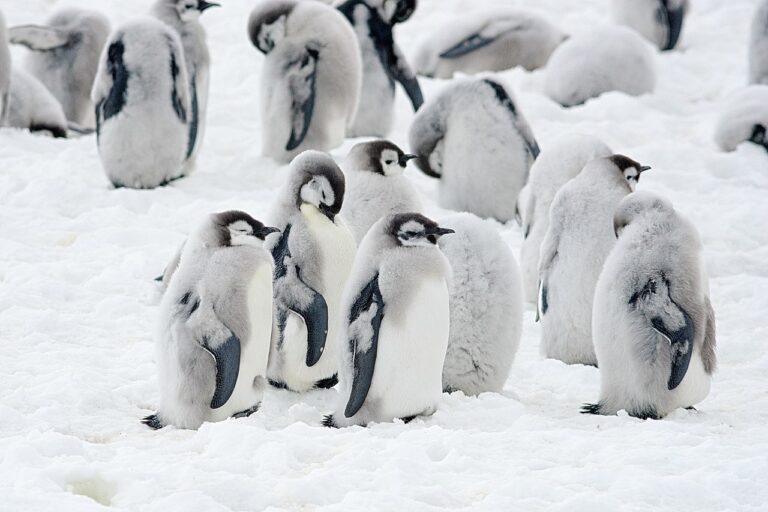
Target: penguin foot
{"type": "Point", "coordinates": [277, 384]}
{"type": "Point", "coordinates": [591, 408]}
{"type": "Point", "coordinates": [691, 408]}
{"type": "Point", "coordinates": [153, 421]}
{"type": "Point", "coordinates": [327, 383]}
{"type": "Point", "coordinates": [408, 419]}
{"type": "Point", "coordinates": [329, 421]}
{"type": "Point", "coordinates": [247, 412]}
{"type": "Point", "coordinates": [645, 414]}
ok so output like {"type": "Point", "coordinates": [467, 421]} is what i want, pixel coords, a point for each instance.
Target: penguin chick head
{"type": "Point", "coordinates": [266, 24]}
{"type": "Point", "coordinates": [235, 227]}
{"type": "Point", "coordinates": [190, 10]}
{"type": "Point", "coordinates": [320, 182]}
{"type": "Point", "coordinates": [636, 205]}
{"type": "Point", "coordinates": [378, 156]}
{"type": "Point", "coordinates": [630, 169]}
{"type": "Point", "coordinates": [414, 229]}
{"type": "Point", "coordinates": [393, 11]}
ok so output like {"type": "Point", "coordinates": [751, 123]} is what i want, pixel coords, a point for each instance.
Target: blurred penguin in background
{"type": "Point", "coordinates": [659, 21]}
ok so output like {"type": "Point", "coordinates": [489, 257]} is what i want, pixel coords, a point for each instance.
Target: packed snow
{"type": "Point", "coordinates": [78, 305]}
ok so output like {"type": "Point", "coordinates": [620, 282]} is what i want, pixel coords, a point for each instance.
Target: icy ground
{"type": "Point", "coordinates": [77, 304]}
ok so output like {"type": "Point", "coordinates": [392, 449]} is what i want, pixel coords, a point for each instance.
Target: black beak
{"type": "Point", "coordinates": [405, 158]}
{"type": "Point", "coordinates": [327, 211]}
{"type": "Point", "coordinates": [644, 168]}
{"type": "Point", "coordinates": [266, 231]}
{"type": "Point", "coordinates": [202, 5]}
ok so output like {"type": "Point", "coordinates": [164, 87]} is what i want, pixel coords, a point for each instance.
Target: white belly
{"type": "Point", "coordinates": [695, 385]}
{"type": "Point", "coordinates": [254, 352]}
{"type": "Point", "coordinates": [407, 379]}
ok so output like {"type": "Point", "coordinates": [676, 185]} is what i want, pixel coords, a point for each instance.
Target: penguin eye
{"type": "Point", "coordinates": [389, 162]}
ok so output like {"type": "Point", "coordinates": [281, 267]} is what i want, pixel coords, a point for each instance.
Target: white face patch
{"type": "Point", "coordinates": [188, 10]}
{"type": "Point", "coordinates": [390, 163]}
{"type": "Point", "coordinates": [387, 9]}
{"type": "Point", "coordinates": [411, 234]}
{"type": "Point", "coordinates": [241, 233]}
{"type": "Point", "coordinates": [271, 34]}
{"type": "Point", "coordinates": [318, 191]}
{"type": "Point", "coordinates": [631, 175]}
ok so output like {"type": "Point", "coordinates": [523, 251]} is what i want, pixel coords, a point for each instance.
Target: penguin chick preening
{"type": "Point", "coordinates": [183, 16]}
{"type": "Point", "coordinates": [313, 257]}
{"type": "Point", "coordinates": [610, 58]}
{"type": "Point", "coordinates": [659, 21]}
{"type": "Point", "coordinates": [653, 322]}
{"type": "Point", "coordinates": [375, 185]}
{"type": "Point", "coordinates": [476, 141]}
{"type": "Point", "coordinates": [488, 40]}
{"type": "Point", "coordinates": [743, 118]}
{"type": "Point", "coordinates": [310, 83]}
{"type": "Point", "coordinates": [576, 244]}
{"type": "Point", "coordinates": [213, 333]}
{"type": "Point", "coordinates": [383, 63]}
{"type": "Point", "coordinates": [486, 305]}
{"type": "Point", "coordinates": [142, 103]}
{"type": "Point", "coordinates": [32, 107]}
{"type": "Point", "coordinates": [65, 57]}
{"type": "Point", "coordinates": [395, 324]}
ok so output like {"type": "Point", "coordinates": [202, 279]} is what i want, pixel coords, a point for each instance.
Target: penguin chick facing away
{"type": "Point", "coordinates": [375, 185]}
{"type": "Point", "coordinates": [65, 57]}
{"type": "Point", "coordinates": [183, 16]}
{"type": "Point", "coordinates": [142, 103]}
{"type": "Point", "coordinates": [395, 324]}
{"type": "Point", "coordinates": [743, 118]}
{"type": "Point", "coordinates": [489, 40]}
{"type": "Point", "coordinates": [576, 244]}
{"type": "Point", "coordinates": [310, 83]}
{"type": "Point", "coordinates": [5, 70]}
{"type": "Point", "coordinates": [610, 58]}
{"type": "Point", "coordinates": [486, 306]}
{"type": "Point", "coordinates": [560, 161]}
{"type": "Point", "coordinates": [313, 257]}
{"type": "Point", "coordinates": [653, 322]}
{"type": "Point", "coordinates": [32, 107]}
{"type": "Point", "coordinates": [214, 326]}
{"type": "Point", "coordinates": [475, 140]}
{"type": "Point", "coordinates": [758, 45]}
{"type": "Point", "coordinates": [659, 21]}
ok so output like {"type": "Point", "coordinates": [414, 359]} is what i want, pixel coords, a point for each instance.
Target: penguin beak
{"type": "Point", "coordinates": [644, 168]}
{"type": "Point", "coordinates": [266, 231]}
{"type": "Point", "coordinates": [327, 211]}
{"type": "Point", "coordinates": [202, 5]}
{"type": "Point", "coordinates": [405, 158]}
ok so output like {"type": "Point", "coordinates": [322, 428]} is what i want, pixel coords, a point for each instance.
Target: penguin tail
{"type": "Point", "coordinates": [329, 421]}
{"type": "Point", "coordinates": [159, 279]}
{"type": "Point", "coordinates": [591, 408]}
{"type": "Point", "coordinates": [153, 421]}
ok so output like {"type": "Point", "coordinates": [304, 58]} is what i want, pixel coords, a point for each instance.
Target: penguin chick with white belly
{"type": "Point", "coordinates": [142, 103]}
{"type": "Point", "coordinates": [489, 40]}
{"type": "Point", "coordinates": [383, 63]}
{"type": "Point", "coordinates": [183, 16]}
{"type": "Point", "coordinates": [310, 82]}
{"type": "Point", "coordinates": [653, 322]}
{"type": "Point", "coordinates": [395, 324]}
{"type": "Point", "coordinates": [213, 335]}
{"type": "Point", "coordinates": [560, 161]}
{"type": "Point", "coordinates": [475, 140]}
{"type": "Point", "coordinates": [577, 242]}
{"type": "Point", "coordinates": [375, 185]}
{"type": "Point", "coordinates": [486, 304]}
{"type": "Point", "coordinates": [313, 257]}
{"type": "Point", "coordinates": [659, 21]}
{"type": "Point", "coordinates": [65, 57]}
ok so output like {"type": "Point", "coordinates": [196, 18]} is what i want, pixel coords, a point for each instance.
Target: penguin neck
{"type": "Point", "coordinates": [314, 217]}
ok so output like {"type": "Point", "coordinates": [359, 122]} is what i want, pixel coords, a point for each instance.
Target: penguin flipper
{"type": "Point", "coordinates": [37, 37]}
{"type": "Point", "coordinates": [487, 35]}
{"type": "Point", "coordinates": [522, 128]}
{"type": "Point", "coordinates": [673, 19]}
{"type": "Point", "coordinates": [227, 357]}
{"type": "Point", "coordinates": [364, 324]}
{"type": "Point", "coordinates": [399, 70]}
{"type": "Point", "coordinates": [302, 88]}
{"type": "Point", "coordinates": [314, 312]}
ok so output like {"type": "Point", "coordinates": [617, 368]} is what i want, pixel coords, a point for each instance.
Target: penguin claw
{"type": "Point", "coordinates": [590, 409]}
{"type": "Point", "coordinates": [153, 421]}
{"type": "Point", "coordinates": [329, 421]}
{"type": "Point", "coordinates": [247, 412]}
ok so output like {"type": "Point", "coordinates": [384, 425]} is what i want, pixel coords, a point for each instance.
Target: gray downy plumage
{"type": "Point", "coordinates": [5, 70]}
{"type": "Point", "coordinates": [659, 21]}
{"type": "Point", "coordinates": [32, 107]}
{"type": "Point", "coordinates": [653, 322]}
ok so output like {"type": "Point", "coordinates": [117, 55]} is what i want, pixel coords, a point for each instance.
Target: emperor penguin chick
{"type": "Point", "coordinates": [5, 70]}
{"type": "Point", "coordinates": [376, 186]}
{"type": "Point", "coordinates": [32, 107]}
{"type": "Point", "coordinates": [213, 335]}
{"type": "Point", "coordinates": [758, 45]}
{"type": "Point", "coordinates": [577, 241]}
{"type": "Point", "coordinates": [610, 58]}
{"type": "Point", "coordinates": [395, 324]}
{"type": "Point", "coordinates": [475, 140]}
{"type": "Point", "coordinates": [653, 322]}
{"type": "Point", "coordinates": [183, 16]}
{"type": "Point", "coordinates": [65, 57]}
{"type": "Point", "coordinates": [313, 258]}
{"type": "Point", "coordinates": [486, 304]}
{"type": "Point", "coordinates": [743, 118]}
{"type": "Point", "coordinates": [488, 40]}
{"type": "Point", "coordinates": [560, 161]}
{"type": "Point", "coordinates": [659, 21]}
{"type": "Point", "coordinates": [383, 63]}
{"type": "Point", "coordinates": [142, 105]}
{"type": "Point", "coordinates": [310, 83]}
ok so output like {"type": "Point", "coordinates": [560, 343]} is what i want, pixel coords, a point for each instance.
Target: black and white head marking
{"type": "Point", "coordinates": [630, 169]}
{"type": "Point", "coordinates": [386, 158]}
{"type": "Point", "coordinates": [414, 229]}
{"type": "Point", "coordinates": [238, 228]}
{"type": "Point", "coordinates": [266, 26]}
{"type": "Point", "coordinates": [190, 10]}
{"type": "Point", "coordinates": [323, 188]}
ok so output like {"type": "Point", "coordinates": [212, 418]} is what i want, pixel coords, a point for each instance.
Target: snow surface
{"type": "Point", "coordinates": [77, 305]}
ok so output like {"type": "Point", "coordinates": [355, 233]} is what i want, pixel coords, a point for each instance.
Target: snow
{"type": "Point", "coordinates": [77, 306]}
